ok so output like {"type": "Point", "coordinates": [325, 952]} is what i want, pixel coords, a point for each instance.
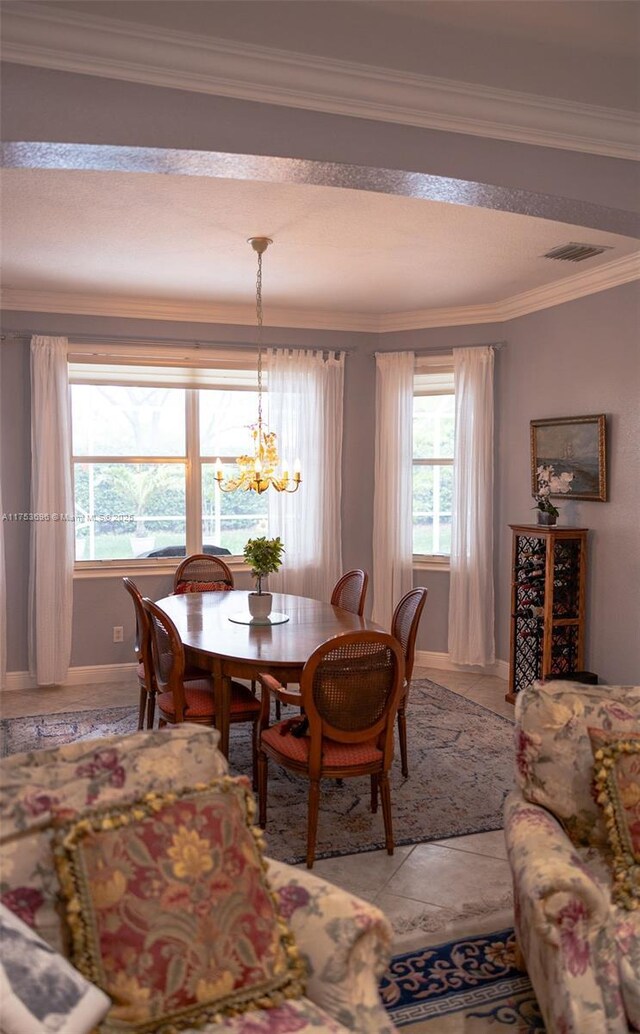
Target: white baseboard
{"type": "Point", "coordinates": [99, 673]}
{"type": "Point", "coordinates": [94, 674]}
{"type": "Point", "coordinates": [442, 661]}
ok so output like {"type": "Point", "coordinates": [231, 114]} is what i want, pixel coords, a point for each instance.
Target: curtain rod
{"type": "Point", "coordinates": [445, 351]}
{"type": "Point", "coordinates": [113, 339]}
{"type": "Point", "coordinates": [78, 339]}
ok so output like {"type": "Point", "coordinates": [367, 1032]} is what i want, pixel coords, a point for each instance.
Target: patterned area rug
{"type": "Point", "coordinates": [466, 985]}
{"type": "Point", "coordinates": [460, 770]}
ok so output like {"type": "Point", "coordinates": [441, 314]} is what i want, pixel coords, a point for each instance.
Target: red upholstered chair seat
{"type": "Point", "coordinates": [201, 701]}
{"type": "Point", "coordinates": [184, 587]}
{"type": "Point", "coordinates": [334, 755]}
{"type": "Point", "coordinates": [349, 692]}
{"type": "Point", "coordinates": [182, 695]}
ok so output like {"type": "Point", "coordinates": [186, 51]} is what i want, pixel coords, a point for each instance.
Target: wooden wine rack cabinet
{"type": "Point", "coordinates": [547, 603]}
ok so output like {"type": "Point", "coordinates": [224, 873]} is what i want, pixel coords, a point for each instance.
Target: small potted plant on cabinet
{"type": "Point", "coordinates": [264, 557]}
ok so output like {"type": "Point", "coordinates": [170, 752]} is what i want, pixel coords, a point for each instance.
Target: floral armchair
{"type": "Point", "coordinates": [343, 942]}
{"type": "Point", "coordinates": [576, 878]}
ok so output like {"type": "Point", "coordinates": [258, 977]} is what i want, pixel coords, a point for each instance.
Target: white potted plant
{"type": "Point", "coordinates": [265, 557]}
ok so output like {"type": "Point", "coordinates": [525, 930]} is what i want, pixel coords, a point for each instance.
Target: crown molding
{"type": "Point", "coordinates": [87, 304]}
{"type": "Point", "coordinates": [613, 274]}
{"type": "Point", "coordinates": [91, 45]}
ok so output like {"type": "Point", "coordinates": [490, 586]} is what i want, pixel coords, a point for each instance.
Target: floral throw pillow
{"type": "Point", "coordinates": [170, 912]}
{"type": "Point", "coordinates": [202, 587]}
{"type": "Point", "coordinates": [617, 785]}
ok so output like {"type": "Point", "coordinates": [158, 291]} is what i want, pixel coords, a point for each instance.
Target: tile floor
{"type": "Point", "coordinates": [445, 877]}
{"type": "Point", "coordinates": [420, 883]}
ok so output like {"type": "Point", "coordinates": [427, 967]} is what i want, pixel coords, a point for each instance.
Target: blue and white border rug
{"type": "Point", "coordinates": [469, 985]}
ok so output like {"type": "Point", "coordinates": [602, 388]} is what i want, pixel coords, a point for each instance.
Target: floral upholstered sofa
{"type": "Point", "coordinates": [573, 836]}
{"type": "Point", "coordinates": [82, 829]}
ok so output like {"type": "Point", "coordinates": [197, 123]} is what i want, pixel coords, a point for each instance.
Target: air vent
{"type": "Point", "coordinates": [573, 252]}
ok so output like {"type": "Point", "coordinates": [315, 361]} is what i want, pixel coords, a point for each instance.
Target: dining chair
{"type": "Point", "coordinates": [202, 572]}
{"type": "Point", "coordinates": [142, 647]}
{"type": "Point", "coordinates": [181, 699]}
{"type": "Point", "coordinates": [404, 628]}
{"type": "Point", "coordinates": [349, 591]}
{"type": "Point", "coordinates": [350, 689]}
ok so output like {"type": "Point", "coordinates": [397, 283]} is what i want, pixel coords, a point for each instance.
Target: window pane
{"type": "Point", "coordinates": [117, 421]}
{"type": "Point", "coordinates": [126, 510]}
{"type": "Point", "coordinates": [230, 518]}
{"type": "Point", "coordinates": [225, 418]}
{"type": "Point", "coordinates": [432, 501]}
{"type": "Point", "coordinates": [433, 426]}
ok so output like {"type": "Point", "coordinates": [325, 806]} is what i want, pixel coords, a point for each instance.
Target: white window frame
{"type": "Point", "coordinates": [433, 376]}
{"type": "Point", "coordinates": [191, 369]}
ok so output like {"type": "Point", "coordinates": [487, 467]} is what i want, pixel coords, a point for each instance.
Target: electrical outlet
{"type": "Point", "coordinates": [118, 634]}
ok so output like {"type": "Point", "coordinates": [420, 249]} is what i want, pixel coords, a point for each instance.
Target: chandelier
{"type": "Point", "coordinates": [259, 471]}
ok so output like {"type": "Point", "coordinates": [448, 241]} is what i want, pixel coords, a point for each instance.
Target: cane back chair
{"type": "Point", "coordinates": [404, 627]}
{"type": "Point", "coordinates": [191, 700]}
{"type": "Point", "coordinates": [142, 647]}
{"type": "Point", "coordinates": [350, 591]}
{"type": "Point", "coordinates": [350, 690]}
{"type": "Point", "coordinates": [202, 572]}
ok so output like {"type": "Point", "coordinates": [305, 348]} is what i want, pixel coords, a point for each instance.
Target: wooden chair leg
{"type": "Point", "coordinates": [262, 789]}
{"type": "Point", "coordinates": [151, 709]}
{"type": "Point", "coordinates": [279, 703]}
{"type": "Point", "coordinates": [142, 707]}
{"type": "Point", "coordinates": [385, 796]}
{"type": "Point", "coordinates": [402, 735]}
{"type": "Point", "coordinates": [312, 820]}
{"type": "Point", "coordinates": [255, 737]}
{"type": "Point", "coordinates": [374, 793]}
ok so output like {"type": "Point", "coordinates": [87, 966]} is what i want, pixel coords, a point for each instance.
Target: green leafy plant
{"type": "Point", "coordinates": [265, 557]}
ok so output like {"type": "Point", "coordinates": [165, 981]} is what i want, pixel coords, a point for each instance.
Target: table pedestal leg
{"type": "Point", "coordinates": [222, 689]}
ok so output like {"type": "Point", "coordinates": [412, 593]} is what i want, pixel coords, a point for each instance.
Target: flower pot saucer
{"type": "Point", "coordinates": [243, 617]}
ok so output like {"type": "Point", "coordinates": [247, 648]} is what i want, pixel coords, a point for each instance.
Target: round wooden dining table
{"type": "Point", "coordinates": [213, 640]}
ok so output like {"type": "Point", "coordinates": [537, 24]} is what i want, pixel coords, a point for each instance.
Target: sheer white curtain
{"type": "Point", "coordinates": [306, 411]}
{"type": "Point", "coordinates": [52, 539]}
{"type": "Point", "coordinates": [393, 495]}
{"type": "Point", "coordinates": [3, 587]}
{"type": "Point", "coordinates": [471, 614]}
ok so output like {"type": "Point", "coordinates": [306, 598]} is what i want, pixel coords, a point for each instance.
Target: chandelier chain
{"type": "Point", "coordinates": [258, 472]}
{"type": "Point", "coordinates": [259, 318]}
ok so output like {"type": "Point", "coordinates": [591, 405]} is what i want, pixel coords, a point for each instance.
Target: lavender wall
{"type": "Point", "coordinates": [574, 359]}
{"type": "Point", "coordinates": [15, 442]}
{"type": "Point", "coordinates": [44, 105]}
{"type": "Point", "coordinates": [581, 357]}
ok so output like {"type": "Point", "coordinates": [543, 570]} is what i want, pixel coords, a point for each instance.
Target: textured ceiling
{"type": "Point", "coordinates": [184, 239]}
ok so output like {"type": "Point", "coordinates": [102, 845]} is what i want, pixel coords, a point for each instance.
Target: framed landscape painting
{"type": "Point", "coordinates": [573, 445]}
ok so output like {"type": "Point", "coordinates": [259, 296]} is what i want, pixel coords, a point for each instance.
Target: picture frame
{"type": "Point", "coordinates": [573, 445]}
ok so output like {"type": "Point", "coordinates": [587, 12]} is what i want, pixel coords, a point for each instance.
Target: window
{"type": "Point", "coordinates": [433, 438]}
{"type": "Point", "coordinates": [145, 440]}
